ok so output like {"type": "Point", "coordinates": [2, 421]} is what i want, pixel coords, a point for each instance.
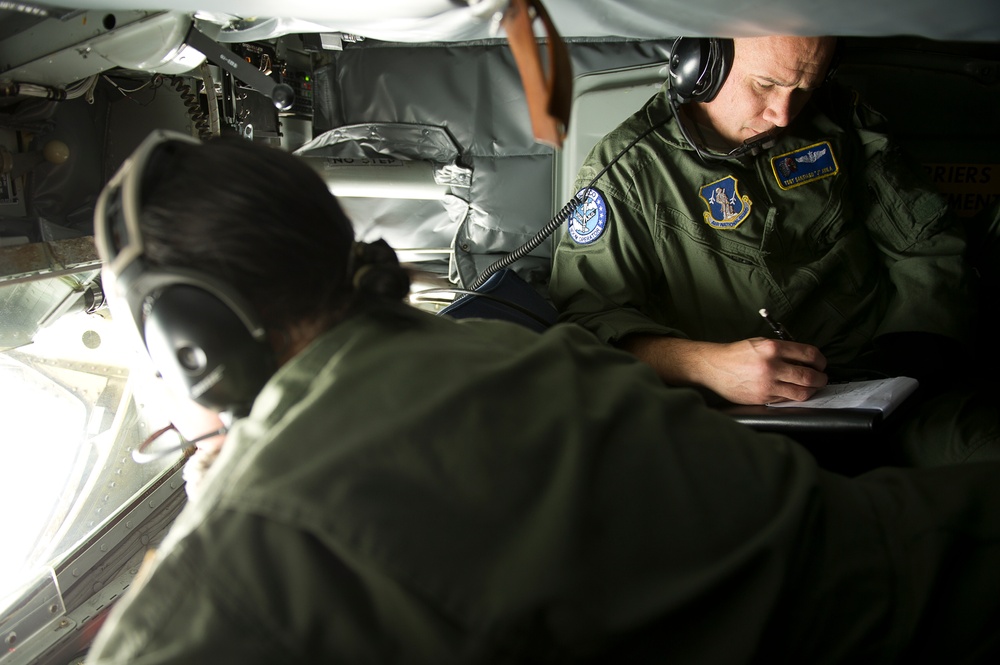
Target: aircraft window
{"type": "Point", "coordinates": [68, 424]}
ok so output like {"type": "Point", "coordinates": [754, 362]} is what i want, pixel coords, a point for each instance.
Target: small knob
{"type": "Point", "coordinates": [283, 96]}
{"type": "Point", "coordinates": [55, 152]}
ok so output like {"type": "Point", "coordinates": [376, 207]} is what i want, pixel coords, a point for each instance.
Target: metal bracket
{"type": "Point", "coordinates": [281, 94]}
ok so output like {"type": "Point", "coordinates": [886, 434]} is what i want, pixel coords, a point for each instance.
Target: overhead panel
{"type": "Point", "coordinates": [57, 52]}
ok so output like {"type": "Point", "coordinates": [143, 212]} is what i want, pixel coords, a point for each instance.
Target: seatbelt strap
{"type": "Point", "coordinates": [549, 98]}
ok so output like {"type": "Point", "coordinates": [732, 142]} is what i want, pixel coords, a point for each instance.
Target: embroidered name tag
{"type": "Point", "coordinates": [589, 218]}
{"type": "Point", "coordinates": [805, 165]}
{"type": "Point", "coordinates": [727, 208]}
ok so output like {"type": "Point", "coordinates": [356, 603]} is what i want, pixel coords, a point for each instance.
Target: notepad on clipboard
{"type": "Point", "coordinates": [882, 395]}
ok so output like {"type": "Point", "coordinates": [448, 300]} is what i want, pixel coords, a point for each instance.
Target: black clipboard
{"type": "Point", "coordinates": [804, 420]}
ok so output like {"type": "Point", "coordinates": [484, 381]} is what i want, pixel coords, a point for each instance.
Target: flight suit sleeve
{"type": "Point", "coordinates": [181, 613]}
{"type": "Point", "coordinates": [604, 283]}
{"type": "Point", "coordinates": [226, 593]}
{"type": "Point", "coordinates": [923, 247]}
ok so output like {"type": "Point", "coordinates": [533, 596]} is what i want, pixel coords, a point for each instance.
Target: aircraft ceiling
{"type": "Point", "coordinates": [455, 20]}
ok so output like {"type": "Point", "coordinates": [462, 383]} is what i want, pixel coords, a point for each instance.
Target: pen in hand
{"type": "Point", "coordinates": [779, 330]}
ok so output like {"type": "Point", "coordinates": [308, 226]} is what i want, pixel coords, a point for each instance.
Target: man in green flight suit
{"type": "Point", "coordinates": [750, 186]}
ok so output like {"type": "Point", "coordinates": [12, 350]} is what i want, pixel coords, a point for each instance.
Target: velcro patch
{"type": "Point", "coordinates": [727, 208]}
{"type": "Point", "coordinates": [804, 165]}
{"type": "Point", "coordinates": [589, 219]}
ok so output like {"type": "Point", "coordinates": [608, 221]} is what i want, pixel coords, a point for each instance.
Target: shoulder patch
{"type": "Point", "coordinates": [589, 219]}
{"type": "Point", "coordinates": [805, 165]}
{"type": "Point", "coordinates": [727, 208]}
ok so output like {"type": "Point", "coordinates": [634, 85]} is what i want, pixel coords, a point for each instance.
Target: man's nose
{"type": "Point", "coordinates": [779, 110]}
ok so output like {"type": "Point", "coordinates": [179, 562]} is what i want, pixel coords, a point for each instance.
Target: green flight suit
{"type": "Point", "coordinates": [411, 489]}
{"type": "Point", "coordinates": [840, 255]}
{"type": "Point", "coordinates": [832, 230]}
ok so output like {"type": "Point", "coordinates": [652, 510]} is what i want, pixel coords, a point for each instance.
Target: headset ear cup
{"type": "Point", "coordinates": [204, 350]}
{"type": "Point", "coordinates": [698, 68]}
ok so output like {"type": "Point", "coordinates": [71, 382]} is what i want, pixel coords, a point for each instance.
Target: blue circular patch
{"type": "Point", "coordinates": [588, 220]}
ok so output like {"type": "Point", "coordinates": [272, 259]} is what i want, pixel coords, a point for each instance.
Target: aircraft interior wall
{"type": "Point", "coordinates": [472, 92]}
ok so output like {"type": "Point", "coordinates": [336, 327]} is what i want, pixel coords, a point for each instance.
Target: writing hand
{"type": "Point", "coordinates": [751, 371]}
{"type": "Point", "coordinates": [761, 370]}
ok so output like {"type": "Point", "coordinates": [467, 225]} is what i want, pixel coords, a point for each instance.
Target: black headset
{"type": "Point", "coordinates": [698, 67]}
{"type": "Point", "coordinates": [202, 336]}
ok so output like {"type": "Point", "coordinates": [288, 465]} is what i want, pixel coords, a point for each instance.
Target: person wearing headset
{"type": "Point", "coordinates": [398, 486]}
{"type": "Point", "coordinates": [746, 184]}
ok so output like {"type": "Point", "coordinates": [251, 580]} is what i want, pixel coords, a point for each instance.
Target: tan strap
{"type": "Point", "coordinates": [549, 98]}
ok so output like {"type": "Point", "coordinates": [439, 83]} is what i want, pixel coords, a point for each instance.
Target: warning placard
{"type": "Point", "coordinates": [969, 187]}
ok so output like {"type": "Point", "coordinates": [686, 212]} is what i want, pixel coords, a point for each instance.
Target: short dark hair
{"type": "Point", "coordinates": [260, 219]}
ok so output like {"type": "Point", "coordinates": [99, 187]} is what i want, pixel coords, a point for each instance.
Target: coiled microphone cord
{"type": "Point", "coordinates": [564, 214]}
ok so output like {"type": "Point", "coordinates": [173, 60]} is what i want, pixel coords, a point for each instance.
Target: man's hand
{"type": "Point", "coordinates": [751, 371]}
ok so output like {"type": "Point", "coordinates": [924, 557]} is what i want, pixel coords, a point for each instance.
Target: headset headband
{"type": "Point", "coordinates": [202, 334]}
{"type": "Point", "coordinates": [120, 246]}
{"type": "Point", "coordinates": [119, 241]}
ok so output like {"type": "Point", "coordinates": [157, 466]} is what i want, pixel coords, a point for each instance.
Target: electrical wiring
{"type": "Point", "coordinates": [153, 83]}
